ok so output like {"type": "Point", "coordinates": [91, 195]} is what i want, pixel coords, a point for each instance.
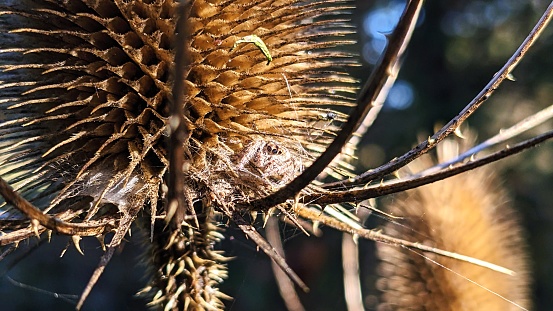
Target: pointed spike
{"type": "Point", "coordinates": [171, 240]}
{"type": "Point", "coordinates": [206, 305]}
{"type": "Point", "coordinates": [187, 302]}
{"type": "Point", "coordinates": [64, 250]}
{"type": "Point", "coordinates": [101, 238]}
{"type": "Point", "coordinates": [34, 224]}
{"type": "Point", "coordinates": [316, 228]}
{"type": "Point", "coordinates": [49, 234]}
{"type": "Point", "coordinates": [458, 133]}
{"type": "Point", "coordinates": [510, 77]}
{"type": "Point", "coordinates": [254, 215]}
{"type": "Point", "coordinates": [181, 267]}
{"type": "Point", "coordinates": [179, 290]}
{"type": "Point", "coordinates": [431, 140]}
{"type": "Point", "coordinates": [171, 210]}
{"type": "Point", "coordinates": [268, 215]}
{"type": "Point", "coordinates": [223, 296]}
{"type": "Point", "coordinates": [76, 241]}
{"type": "Point", "coordinates": [169, 267]}
{"type": "Point", "coordinates": [169, 305]}
{"type": "Point", "coordinates": [158, 295]}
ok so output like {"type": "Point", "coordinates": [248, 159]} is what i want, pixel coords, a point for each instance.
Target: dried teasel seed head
{"type": "Point", "coordinates": [84, 107]}
{"type": "Point", "coordinates": [467, 214]}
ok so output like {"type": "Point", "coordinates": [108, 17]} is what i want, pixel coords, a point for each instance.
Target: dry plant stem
{"type": "Point", "coordinates": [19, 235]}
{"type": "Point", "coordinates": [504, 135]}
{"type": "Point", "coordinates": [6, 252]}
{"type": "Point", "coordinates": [452, 125]}
{"type": "Point", "coordinates": [25, 233]}
{"type": "Point", "coordinates": [350, 264]}
{"type": "Point", "coordinates": [398, 41]}
{"type": "Point", "coordinates": [124, 226]}
{"type": "Point", "coordinates": [379, 237]}
{"type": "Point", "coordinates": [65, 297]}
{"type": "Point", "coordinates": [417, 181]}
{"type": "Point", "coordinates": [82, 229]}
{"type": "Point", "coordinates": [252, 233]}
{"type": "Point", "coordinates": [285, 285]}
{"type": "Point", "coordinates": [178, 202]}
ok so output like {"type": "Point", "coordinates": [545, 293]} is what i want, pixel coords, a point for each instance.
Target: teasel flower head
{"type": "Point", "coordinates": [86, 94]}
{"type": "Point", "coordinates": [468, 214]}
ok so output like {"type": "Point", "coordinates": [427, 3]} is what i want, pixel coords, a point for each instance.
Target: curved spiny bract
{"type": "Point", "coordinates": [467, 214]}
{"type": "Point", "coordinates": [84, 108]}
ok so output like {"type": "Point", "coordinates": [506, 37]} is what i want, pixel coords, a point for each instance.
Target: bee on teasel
{"type": "Point", "coordinates": [87, 88]}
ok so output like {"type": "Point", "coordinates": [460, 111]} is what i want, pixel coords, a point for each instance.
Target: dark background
{"type": "Point", "coordinates": [456, 49]}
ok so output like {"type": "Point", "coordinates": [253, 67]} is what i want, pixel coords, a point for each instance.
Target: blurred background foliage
{"type": "Point", "coordinates": [456, 49]}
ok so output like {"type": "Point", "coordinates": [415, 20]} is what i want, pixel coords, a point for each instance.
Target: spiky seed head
{"type": "Point", "coordinates": [466, 214]}
{"type": "Point", "coordinates": [85, 95]}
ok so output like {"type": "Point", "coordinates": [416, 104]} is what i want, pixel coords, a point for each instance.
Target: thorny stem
{"type": "Point", "coordinates": [89, 228]}
{"type": "Point", "coordinates": [377, 236]}
{"type": "Point", "coordinates": [499, 77]}
{"type": "Point", "coordinates": [66, 217]}
{"type": "Point", "coordinates": [178, 202]}
{"type": "Point", "coordinates": [503, 135]}
{"type": "Point", "coordinates": [398, 41]}
{"type": "Point", "coordinates": [417, 181]}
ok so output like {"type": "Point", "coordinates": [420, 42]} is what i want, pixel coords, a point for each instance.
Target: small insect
{"type": "Point", "coordinates": [329, 116]}
{"type": "Point", "coordinates": [258, 42]}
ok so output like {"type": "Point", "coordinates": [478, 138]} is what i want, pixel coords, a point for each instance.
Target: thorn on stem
{"type": "Point", "coordinates": [76, 241]}
{"type": "Point", "coordinates": [34, 224]}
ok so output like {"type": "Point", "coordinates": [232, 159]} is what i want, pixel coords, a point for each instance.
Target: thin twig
{"type": "Point", "coordinates": [65, 297]}
{"type": "Point", "coordinates": [417, 181]}
{"type": "Point", "coordinates": [386, 67]}
{"type": "Point", "coordinates": [250, 231]}
{"type": "Point", "coordinates": [124, 226]}
{"type": "Point", "coordinates": [377, 236]}
{"type": "Point", "coordinates": [350, 264]}
{"type": "Point", "coordinates": [451, 126]}
{"type": "Point", "coordinates": [503, 135]}
{"type": "Point", "coordinates": [285, 285]}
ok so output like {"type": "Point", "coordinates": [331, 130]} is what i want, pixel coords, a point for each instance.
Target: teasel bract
{"type": "Point", "coordinates": [85, 115]}
{"type": "Point", "coordinates": [468, 214]}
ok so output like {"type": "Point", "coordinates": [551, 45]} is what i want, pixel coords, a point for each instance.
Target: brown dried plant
{"type": "Point", "coordinates": [115, 111]}
{"type": "Point", "coordinates": [468, 214]}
